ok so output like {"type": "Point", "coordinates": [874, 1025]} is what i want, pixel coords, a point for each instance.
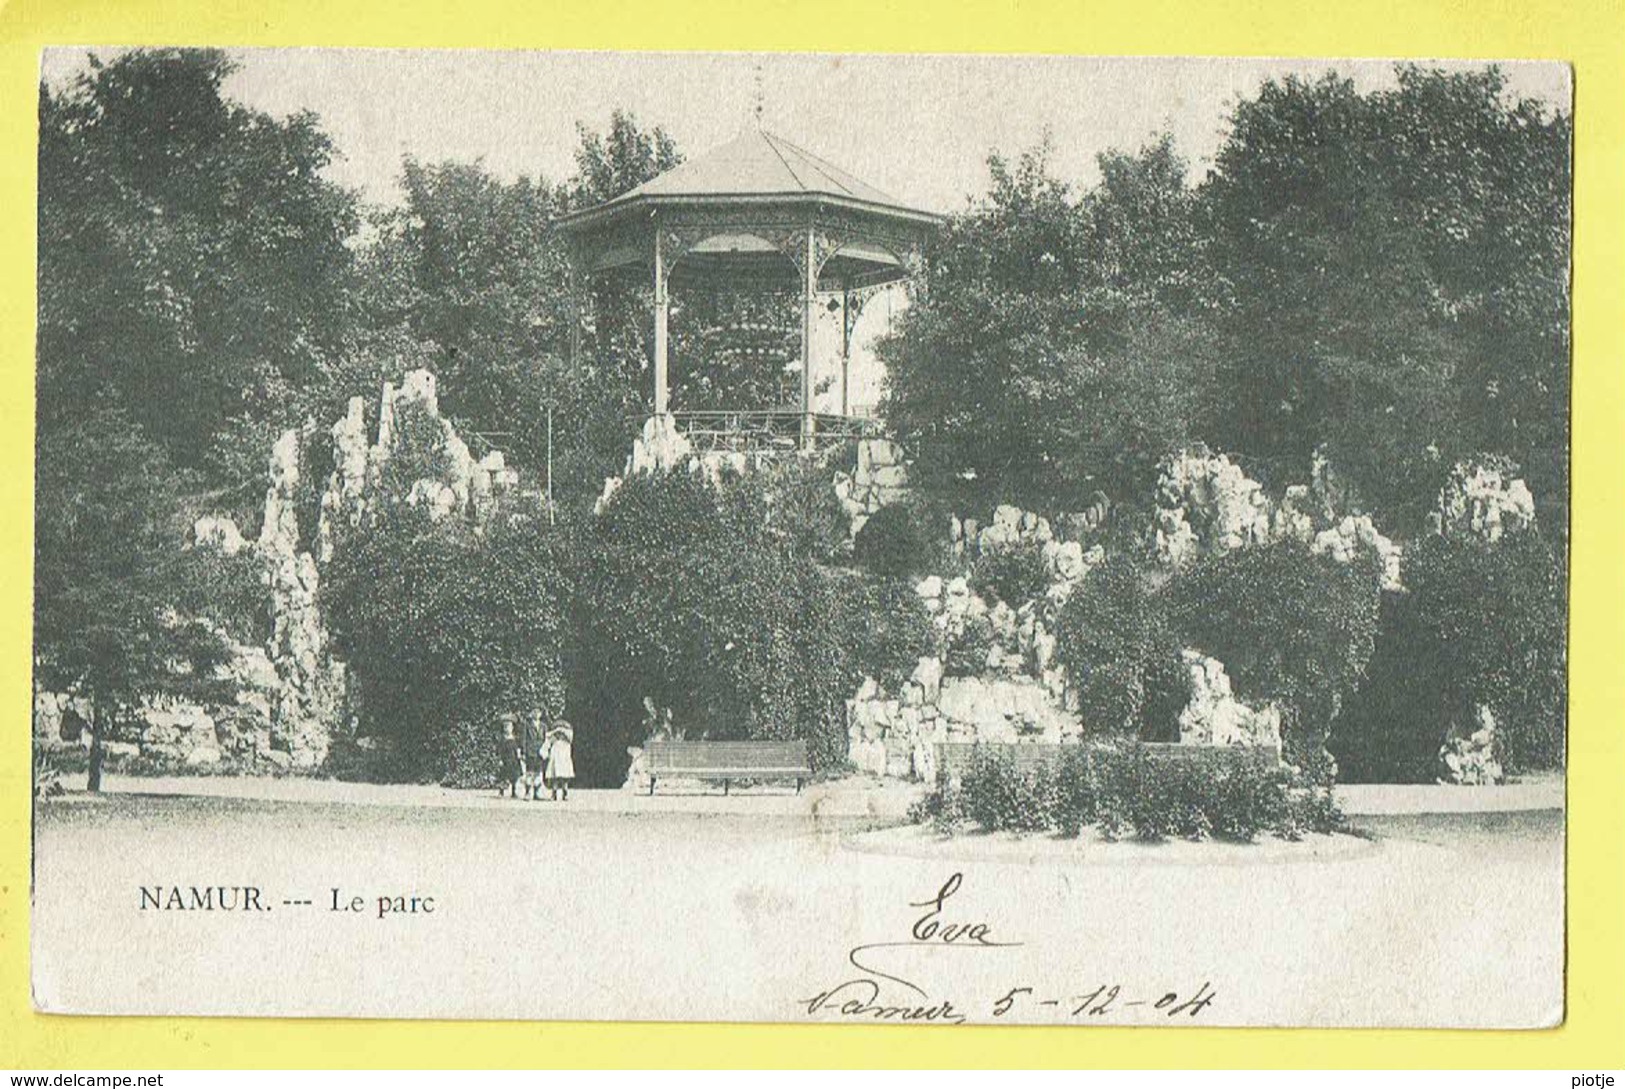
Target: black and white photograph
{"type": "Point", "coordinates": [815, 538]}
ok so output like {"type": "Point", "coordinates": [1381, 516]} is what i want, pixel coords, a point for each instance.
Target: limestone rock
{"type": "Point", "coordinates": [1469, 759]}
{"type": "Point", "coordinates": [1004, 709]}
{"type": "Point", "coordinates": [219, 533]}
{"type": "Point", "coordinates": [1206, 505]}
{"type": "Point", "coordinates": [660, 446]}
{"type": "Point", "coordinates": [1483, 498]}
{"type": "Point", "coordinates": [1356, 536]}
{"type": "Point", "coordinates": [928, 675]}
{"type": "Point", "coordinates": [1215, 717]}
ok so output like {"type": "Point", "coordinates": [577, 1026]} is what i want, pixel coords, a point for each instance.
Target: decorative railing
{"type": "Point", "coordinates": [768, 431]}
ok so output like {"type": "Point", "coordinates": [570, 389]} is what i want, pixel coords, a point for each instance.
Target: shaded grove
{"type": "Point", "coordinates": [1279, 452]}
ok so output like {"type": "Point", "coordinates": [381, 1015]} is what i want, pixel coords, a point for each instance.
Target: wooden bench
{"type": "Point", "coordinates": [728, 760]}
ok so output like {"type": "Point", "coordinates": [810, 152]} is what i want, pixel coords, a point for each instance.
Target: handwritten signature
{"type": "Point", "coordinates": [866, 997]}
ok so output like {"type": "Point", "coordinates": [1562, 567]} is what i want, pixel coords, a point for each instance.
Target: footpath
{"type": "Point", "coordinates": [853, 797]}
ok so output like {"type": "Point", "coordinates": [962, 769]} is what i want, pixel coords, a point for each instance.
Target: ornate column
{"type": "Point", "coordinates": [662, 309]}
{"type": "Point", "coordinates": [853, 300]}
{"type": "Point", "coordinates": [809, 301]}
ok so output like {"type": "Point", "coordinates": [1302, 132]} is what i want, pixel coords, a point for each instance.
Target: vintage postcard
{"type": "Point", "coordinates": [806, 538]}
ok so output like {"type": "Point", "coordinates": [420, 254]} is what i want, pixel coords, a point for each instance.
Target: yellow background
{"type": "Point", "coordinates": [1589, 34]}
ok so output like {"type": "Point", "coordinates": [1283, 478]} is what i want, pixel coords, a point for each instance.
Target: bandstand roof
{"type": "Point", "coordinates": [756, 167]}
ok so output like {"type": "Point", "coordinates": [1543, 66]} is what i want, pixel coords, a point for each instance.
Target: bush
{"type": "Point", "coordinates": [1289, 626]}
{"type": "Point", "coordinates": [229, 590]}
{"type": "Point", "coordinates": [690, 596]}
{"type": "Point", "coordinates": [1125, 792]}
{"type": "Point", "coordinates": [1013, 575]}
{"type": "Point", "coordinates": [894, 542]}
{"type": "Point", "coordinates": [802, 510]}
{"type": "Point", "coordinates": [998, 797]}
{"type": "Point", "coordinates": [1481, 623]}
{"type": "Point", "coordinates": [966, 653]}
{"type": "Point", "coordinates": [445, 630]}
{"type": "Point", "coordinates": [1114, 640]}
{"type": "Point", "coordinates": [889, 627]}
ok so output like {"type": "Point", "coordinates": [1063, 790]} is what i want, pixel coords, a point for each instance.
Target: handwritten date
{"type": "Point", "coordinates": [877, 994]}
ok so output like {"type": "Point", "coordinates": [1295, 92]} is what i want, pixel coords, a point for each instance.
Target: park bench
{"type": "Point", "coordinates": [727, 760]}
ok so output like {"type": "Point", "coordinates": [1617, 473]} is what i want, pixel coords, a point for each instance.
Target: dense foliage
{"type": "Point", "coordinates": [444, 631]}
{"type": "Point", "coordinates": [704, 599]}
{"type": "Point", "coordinates": [114, 594]}
{"type": "Point", "coordinates": [193, 269]}
{"type": "Point", "coordinates": [1395, 274]}
{"type": "Point", "coordinates": [895, 542]}
{"type": "Point", "coordinates": [1014, 575]}
{"type": "Point", "coordinates": [1121, 791]}
{"type": "Point", "coordinates": [1048, 360]}
{"type": "Point", "coordinates": [1291, 627]}
{"type": "Point", "coordinates": [1481, 624]}
{"type": "Point", "coordinates": [1381, 273]}
{"type": "Point", "coordinates": [1115, 641]}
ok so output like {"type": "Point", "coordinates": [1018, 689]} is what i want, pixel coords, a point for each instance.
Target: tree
{"type": "Point", "coordinates": [1055, 354]}
{"type": "Point", "coordinates": [112, 588]}
{"type": "Point", "coordinates": [618, 160]}
{"type": "Point", "coordinates": [1393, 281]}
{"type": "Point", "coordinates": [446, 629]}
{"type": "Point", "coordinates": [193, 263]}
{"type": "Point", "coordinates": [471, 273]}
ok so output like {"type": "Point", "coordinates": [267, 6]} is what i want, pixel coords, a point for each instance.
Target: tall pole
{"type": "Point", "coordinates": [549, 464]}
{"type": "Point", "coordinates": [576, 281]}
{"type": "Point", "coordinates": [662, 310]}
{"type": "Point", "coordinates": [809, 299]}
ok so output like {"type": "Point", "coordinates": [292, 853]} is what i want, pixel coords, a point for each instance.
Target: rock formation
{"type": "Point", "coordinates": [880, 479]}
{"type": "Point", "coordinates": [895, 734]}
{"type": "Point", "coordinates": [1482, 497]}
{"type": "Point", "coordinates": [311, 683]}
{"type": "Point", "coordinates": [1206, 505]}
{"type": "Point", "coordinates": [1215, 717]}
{"type": "Point", "coordinates": [1468, 758]}
{"type": "Point", "coordinates": [1357, 536]}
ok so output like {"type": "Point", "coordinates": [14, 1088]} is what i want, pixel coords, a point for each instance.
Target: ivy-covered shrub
{"type": "Point", "coordinates": [802, 510]}
{"type": "Point", "coordinates": [419, 451]}
{"type": "Point", "coordinates": [445, 630]}
{"type": "Point", "coordinates": [1123, 792]}
{"type": "Point", "coordinates": [1481, 624]}
{"type": "Point", "coordinates": [229, 590]}
{"type": "Point", "coordinates": [1113, 637]}
{"type": "Point", "coordinates": [1014, 575]}
{"type": "Point", "coordinates": [888, 625]}
{"type": "Point", "coordinates": [966, 652]}
{"type": "Point", "coordinates": [895, 542]}
{"type": "Point", "coordinates": [1290, 627]}
{"type": "Point", "coordinates": [689, 597]}
{"type": "Point", "coordinates": [998, 796]}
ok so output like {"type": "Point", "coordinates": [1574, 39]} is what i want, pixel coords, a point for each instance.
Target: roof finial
{"type": "Point", "coordinates": [756, 109]}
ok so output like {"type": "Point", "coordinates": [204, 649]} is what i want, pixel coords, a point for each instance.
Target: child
{"type": "Point", "coordinates": [561, 768]}
{"type": "Point", "coordinates": [535, 754]}
{"type": "Point", "coordinates": [511, 756]}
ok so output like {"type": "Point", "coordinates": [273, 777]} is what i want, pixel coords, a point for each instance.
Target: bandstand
{"type": "Point", "coordinates": [756, 214]}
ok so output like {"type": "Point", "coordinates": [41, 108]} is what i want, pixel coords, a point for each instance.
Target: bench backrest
{"type": "Point", "coordinates": [697, 756]}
